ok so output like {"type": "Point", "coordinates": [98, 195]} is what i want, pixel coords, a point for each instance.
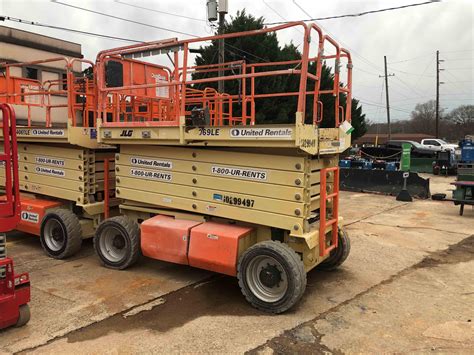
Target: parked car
{"type": "Point", "coordinates": [438, 145]}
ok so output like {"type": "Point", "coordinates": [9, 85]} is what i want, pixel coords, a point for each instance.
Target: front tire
{"type": "Point", "coordinates": [24, 316]}
{"type": "Point", "coordinates": [338, 255]}
{"type": "Point", "coordinates": [61, 234]}
{"type": "Point", "coordinates": [271, 276]}
{"type": "Point", "coordinates": [117, 242]}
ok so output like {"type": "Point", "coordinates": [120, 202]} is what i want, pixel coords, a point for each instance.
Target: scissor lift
{"type": "Point", "coordinates": [66, 176]}
{"type": "Point", "coordinates": [204, 184]}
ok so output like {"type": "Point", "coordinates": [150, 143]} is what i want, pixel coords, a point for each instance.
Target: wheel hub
{"type": "Point", "coordinates": [118, 242]}
{"type": "Point", "coordinates": [57, 234]}
{"type": "Point", "coordinates": [270, 276]}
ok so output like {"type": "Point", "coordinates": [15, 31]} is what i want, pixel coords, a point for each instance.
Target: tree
{"type": "Point", "coordinates": [462, 115]}
{"type": "Point", "coordinates": [265, 48]}
{"type": "Point", "coordinates": [423, 117]}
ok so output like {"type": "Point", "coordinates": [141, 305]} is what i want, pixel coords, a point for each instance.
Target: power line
{"type": "Point", "coordinates": [357, 14]}
{"type": "Point", "coordinates": [33, 23]}
{"type": "Point", "coordinates": [464, 50]}
{"type": "Point", "coordinates": [382, 106]}
{"type": "Point", "coordinates": [122, 18]}
{"type": "Point", "coordinates": [159, 11]}
{"type": "Point", "coordinates": [410, 59]}
{"type": "Point", "coordinates": [367, 61]}
{"type": "Point", "coordinates": [280, 16]}
{"type": "Point", "coordinates": [408, 73]}
{"type": "Point", "coordinates": [145, 24]}
{"type": "Point", "coordinates": [365, 71]}
{"type": "Point", "coordinates": [465, 68]}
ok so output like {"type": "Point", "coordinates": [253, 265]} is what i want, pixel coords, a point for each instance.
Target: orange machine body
{"type": "Point", "coordinates": [215, 246]}
{"type": "Point", "coordinates": [166, 238]}
{"type": "Point", "coordinates": [32, 213]}
{"type": "Point", "coordinates": [211, 246]}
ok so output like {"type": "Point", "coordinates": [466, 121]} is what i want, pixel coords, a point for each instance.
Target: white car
{"type": "Point", "coordinates": [438, 145]}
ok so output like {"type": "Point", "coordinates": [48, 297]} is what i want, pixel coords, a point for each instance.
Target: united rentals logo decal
{"type": "Point", "coordinates": [40, 132]}
{"type": "Point", "coordinates": [151, 163]}
{"type": "Point", "coordinates": [30, 217]}
{"type": "Point", "coordinates": [50, 171]}
{"type": "Point", "coordinates": [264, 133]}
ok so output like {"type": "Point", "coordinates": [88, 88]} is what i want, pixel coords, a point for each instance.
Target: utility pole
{"type": "Point", "coordinates": [222, 9]}
{"type": "Point", "coordinates": [212, 10]}
{"type": "Point", "coordinates": [389, 130]}
{"type": "Point", "coordinates": [437, 91]}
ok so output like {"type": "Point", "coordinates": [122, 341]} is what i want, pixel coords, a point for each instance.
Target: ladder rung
{"type": "Point", "coordinates": [331, 195]}
{"type": "Point", "coordinates": [330, 222]}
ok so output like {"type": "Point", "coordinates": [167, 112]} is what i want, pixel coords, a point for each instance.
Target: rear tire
{"type": "Point", "coordinates": [24, 316]}
{"type": "Point", "coordinates": [61, 234]}
{"type": "Point", "coordinates": [117, 242]}
{"type": "Point", "coordinates": [338, 255]}
{"type": "Point", "coordinates": [271, 276]}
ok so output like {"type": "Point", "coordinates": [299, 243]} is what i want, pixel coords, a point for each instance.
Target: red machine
{"type": "Point", "coordinates": [14, 288]}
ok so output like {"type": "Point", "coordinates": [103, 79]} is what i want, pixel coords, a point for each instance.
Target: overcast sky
{"type": "Point", "coordinates": [408, 37]}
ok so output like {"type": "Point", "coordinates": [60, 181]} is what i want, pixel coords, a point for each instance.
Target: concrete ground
{"type": "Point", "coordinates": [406, 287]}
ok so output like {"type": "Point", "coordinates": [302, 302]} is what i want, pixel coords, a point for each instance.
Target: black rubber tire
{"type": "Point", "coordinates": [338, 255]}
{"type": "Point", "coordinates": [72, 228]}
{"type": "Point", "coordinates": [438, 197]}
{"type": "Point", "coordinates": [293, 266]}
{"type": "Point", "coordinates": [24, 316]}
{"type": "Point", "coordinates": [130, 230]}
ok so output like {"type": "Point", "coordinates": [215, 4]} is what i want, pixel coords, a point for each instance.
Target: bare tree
{"type": "Point", "coordinates": [462, 115]}
{"type": "Point", "coordinates": [423, 118]}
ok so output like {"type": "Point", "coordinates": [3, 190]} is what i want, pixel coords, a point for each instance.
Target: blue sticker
{"type": "Point", "coordinates": [217, 197]}
{"type": "Point", "coordinates": [93, 133]}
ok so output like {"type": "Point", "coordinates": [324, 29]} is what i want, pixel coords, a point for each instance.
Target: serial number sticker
{"type": "Point", "coordinates": [50, 171]}
{"type": "Point", "coordinates": [209, 131]}
{"type": "Point", "coordinates": [151, 163]}
{"type": "Point", "coordinates": [249, 174]}
{"type": "Point", "coordinates": [265, 133]}
{"type": "Point", "coordinates": [30, 217]}
{"type": "Point", "coordinates": [151, 175]}
{"type": "Point", "coordinates": [238, 201]}
{"type": "Point", "coordinates": [49, 161]}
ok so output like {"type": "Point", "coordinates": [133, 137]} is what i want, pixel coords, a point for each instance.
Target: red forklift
{"type": "Point", "coordinates": [14, 288]}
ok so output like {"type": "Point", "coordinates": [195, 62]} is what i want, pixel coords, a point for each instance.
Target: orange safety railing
{"type": "Point", "coordinates": [190, 87]}
{"type": "Point", "coordinates": [149, 94]}
{"type": "Point", "coordinates": [37, 102]}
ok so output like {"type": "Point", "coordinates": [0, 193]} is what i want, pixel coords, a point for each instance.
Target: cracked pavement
{"type": "Point", "coordinates": [404, 288]}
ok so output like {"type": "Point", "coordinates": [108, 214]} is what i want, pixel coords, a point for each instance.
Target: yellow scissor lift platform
{"type": "Point", "coordinates": [204, 184]}
{"type": "Point", "coordinates": [67, 178]}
